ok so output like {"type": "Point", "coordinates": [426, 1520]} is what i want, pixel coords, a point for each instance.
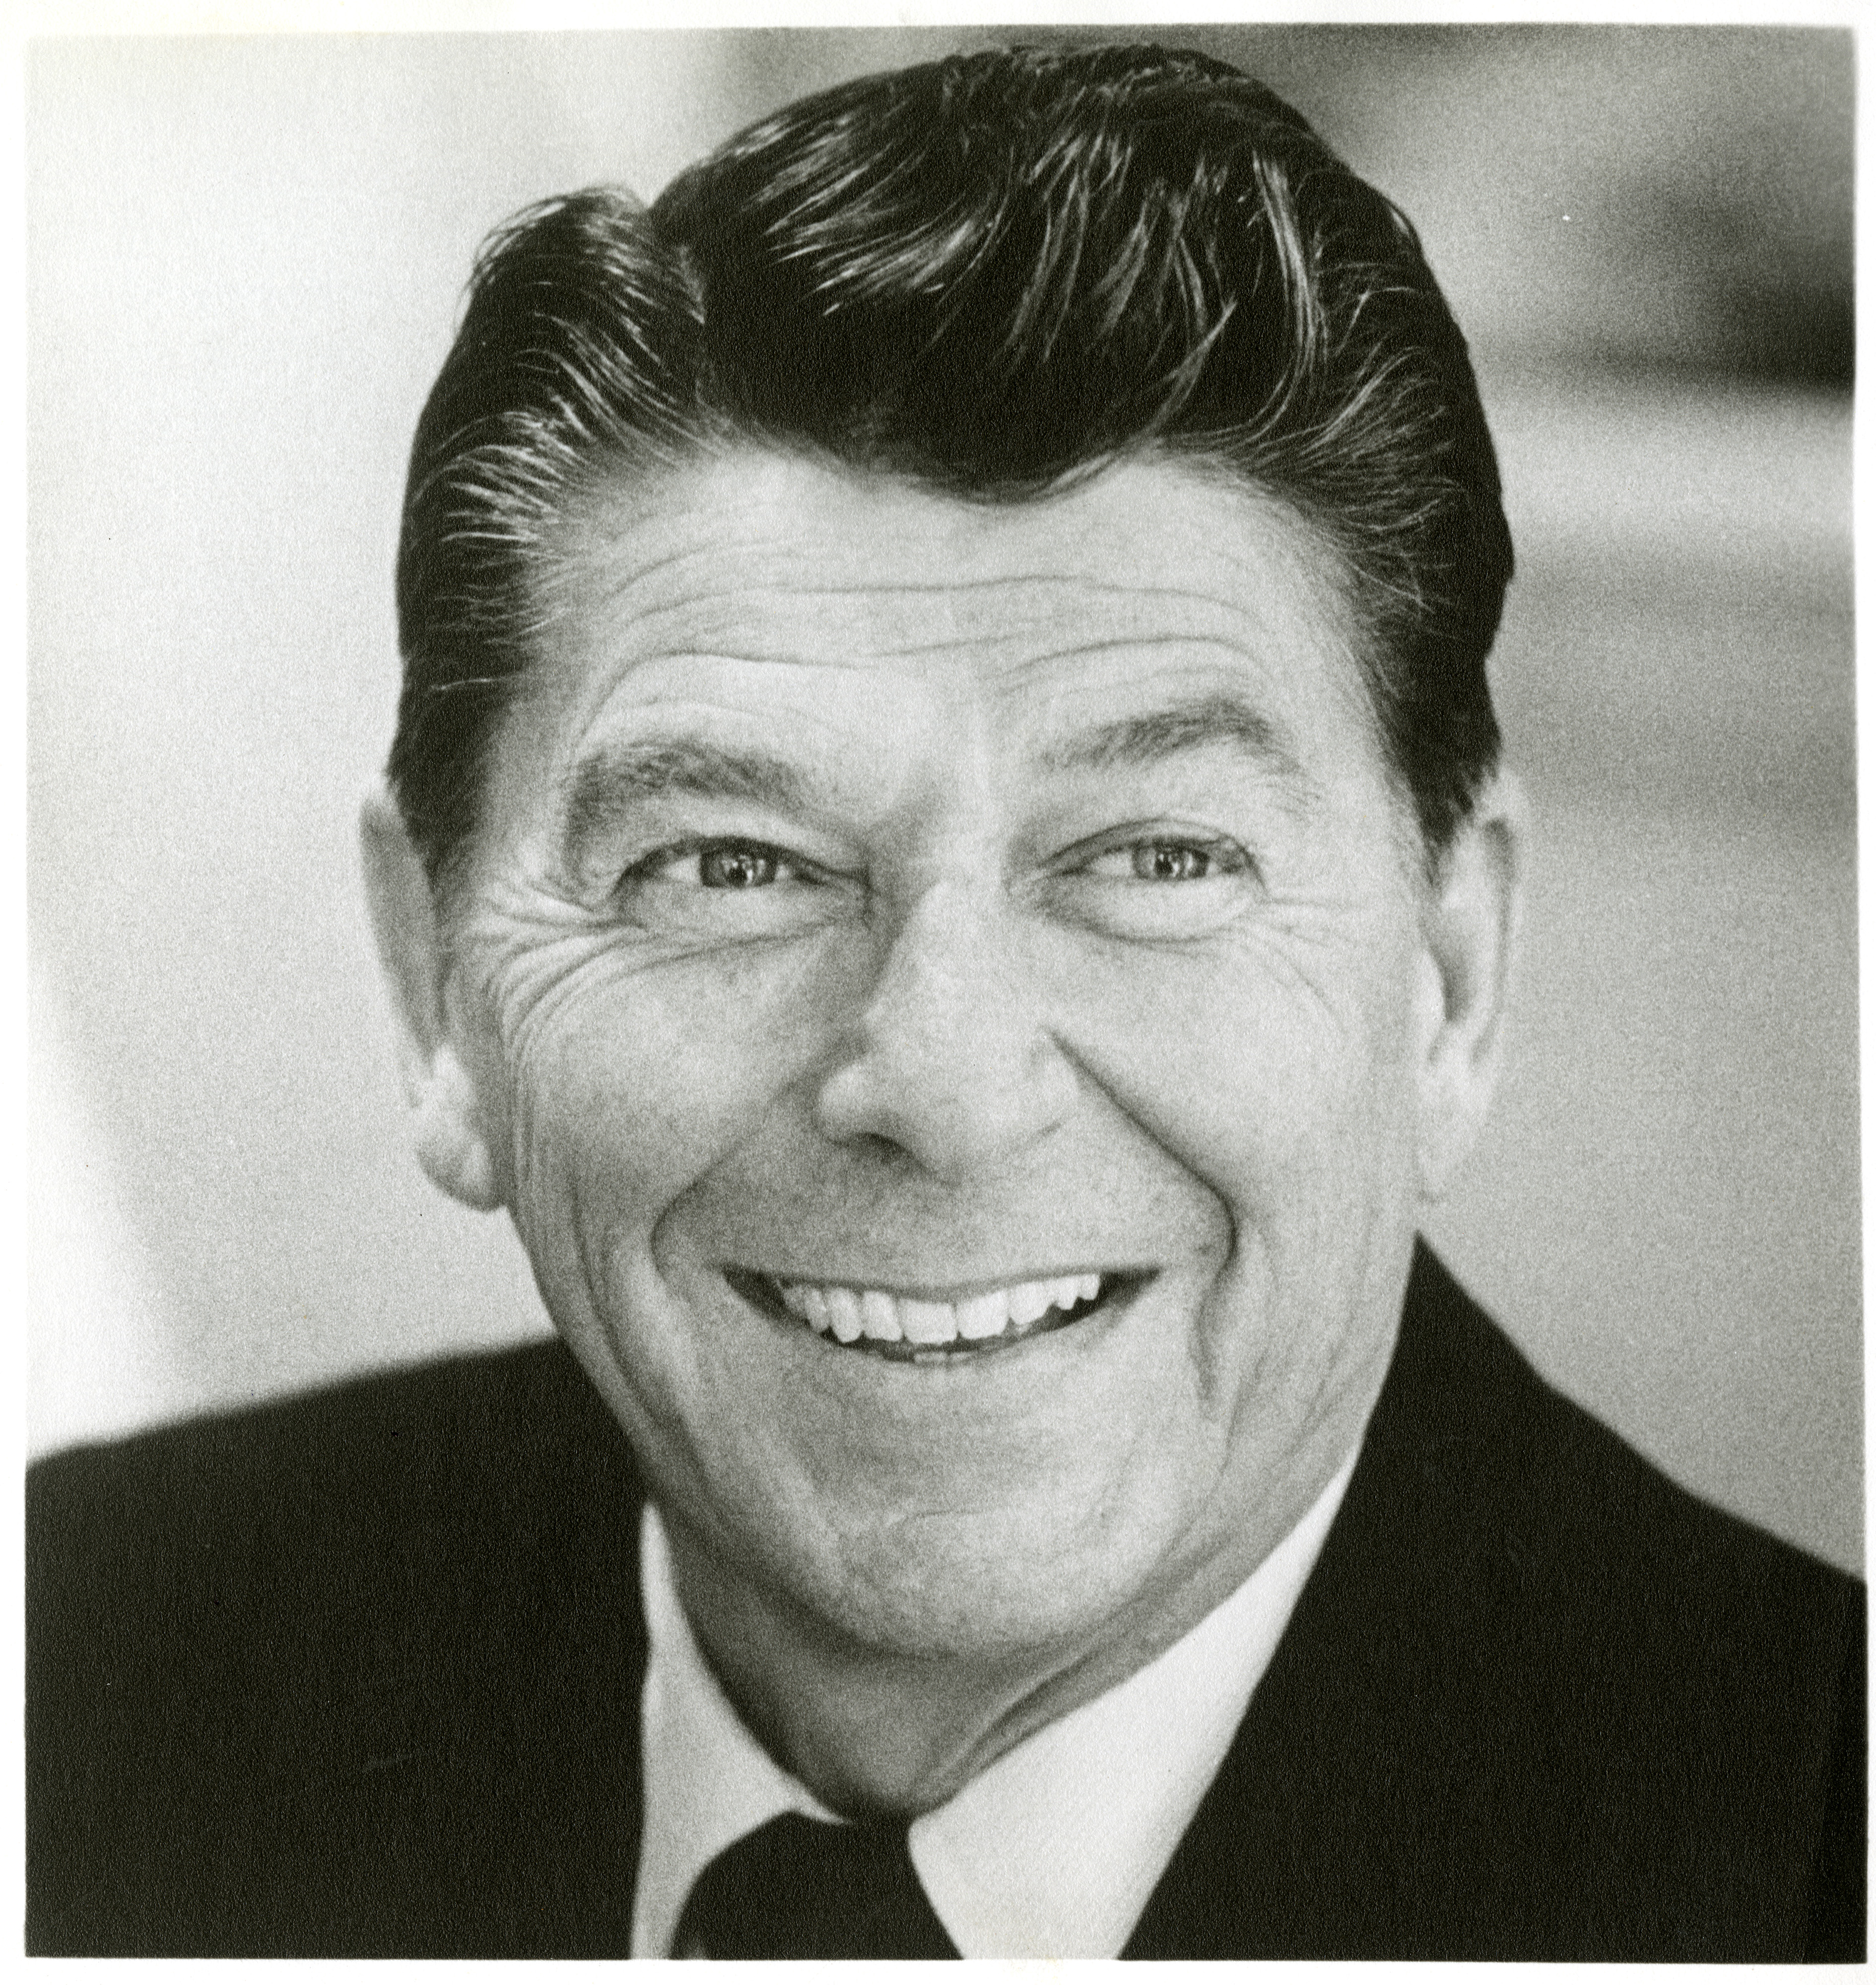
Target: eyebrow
{"type": "Point", "coordinates": [1194, 724]}
{"type": "Point", "coordinates": [601, 790]}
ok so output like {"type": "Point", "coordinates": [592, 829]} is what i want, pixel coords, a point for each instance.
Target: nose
{"type": "Point", "coordinates": [949, 1061]}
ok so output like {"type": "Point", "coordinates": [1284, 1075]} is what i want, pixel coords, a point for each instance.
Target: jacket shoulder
{"type": "Point", "coordinates": [266, 1651]}
{"type": "Point", "coordinates": [1539, 1701]}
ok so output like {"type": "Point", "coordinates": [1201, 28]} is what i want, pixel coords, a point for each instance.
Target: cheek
{"type": "Point", "coordinates": [628, 1081]}
{"type": "Point", "coordinates": [1276, 1069]}
{"type": "Point", "coordinates": [1281, 1075]}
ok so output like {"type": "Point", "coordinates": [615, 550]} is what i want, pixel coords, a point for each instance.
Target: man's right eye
{"type": "Point", "coordinates": [737, 867]}
{"type": "Point", "coordinates": [729, 891]}
{"type": "Point", "coordinates": [716, 864]}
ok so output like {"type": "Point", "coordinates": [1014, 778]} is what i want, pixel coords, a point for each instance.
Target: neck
{"type": "Point", "coordinates": [867, 1733]}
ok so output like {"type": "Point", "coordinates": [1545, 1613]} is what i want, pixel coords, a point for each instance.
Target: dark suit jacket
{"type": "Point", "coordinates": [359, 1675]}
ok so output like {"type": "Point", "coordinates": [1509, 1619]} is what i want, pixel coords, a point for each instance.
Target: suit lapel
{"type": "Point", "coordinates": [1344, 1777]}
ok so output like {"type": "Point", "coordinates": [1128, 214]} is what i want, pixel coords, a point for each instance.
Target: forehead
{"type": "Point", "coordinates": [763, 581]}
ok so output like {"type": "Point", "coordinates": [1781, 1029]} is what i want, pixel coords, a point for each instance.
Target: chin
{"type": "Point", "coordinates": [986, 1588]}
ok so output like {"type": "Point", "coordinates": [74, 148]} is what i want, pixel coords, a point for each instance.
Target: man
{"type": "Point", "coordinates": [946, 864]}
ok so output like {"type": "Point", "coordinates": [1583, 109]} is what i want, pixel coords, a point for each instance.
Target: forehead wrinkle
{"type": "Point", "coordinates": [759, 559]}
{"type": "Point", "coordinates": [731, 634]}
{"type": "Point", "coordinates": [790, 571]}
{"type": "Point", "coordinates": [1185, 646]}
{"type": "Point", "coordinates": [793, 574]}
{"type": "Point", "coordinates": [606, 577]}
{"type": "Point", "coordinates": [1071, 582]}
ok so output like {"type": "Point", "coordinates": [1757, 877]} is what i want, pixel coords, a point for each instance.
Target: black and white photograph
{"type": "Point", "coordinates": [942, 993]}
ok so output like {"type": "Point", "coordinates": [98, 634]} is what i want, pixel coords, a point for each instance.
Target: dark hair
{"type": "Point", "coordinates": [993, 274]}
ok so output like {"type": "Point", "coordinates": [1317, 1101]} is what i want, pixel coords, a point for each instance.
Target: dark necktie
{"type": "Point", "coordinates": [800, 1888]}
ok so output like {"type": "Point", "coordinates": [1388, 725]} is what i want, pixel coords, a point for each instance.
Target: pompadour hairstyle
{"type": "Point", "coordinates": [992, 274]}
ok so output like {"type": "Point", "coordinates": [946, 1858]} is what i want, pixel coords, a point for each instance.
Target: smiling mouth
{"type": "Point", "coordinates": [918, 1330]}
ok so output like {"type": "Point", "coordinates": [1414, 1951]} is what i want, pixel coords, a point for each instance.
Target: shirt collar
{"type": "Point", "coordinates": [1053, 1850]}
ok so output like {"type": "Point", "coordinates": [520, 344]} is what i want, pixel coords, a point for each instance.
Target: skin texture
{"type": "Point", "coordinates": [1079, 928]}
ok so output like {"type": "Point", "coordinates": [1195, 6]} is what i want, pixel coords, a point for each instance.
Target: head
{"type": "Point", "coordinates": [947, 863]}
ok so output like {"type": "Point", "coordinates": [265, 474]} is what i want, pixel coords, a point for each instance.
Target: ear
{"type": "Point", "coordinates": [1475, 907]}
{"type": "Point", "coordinates": [453, 1145]}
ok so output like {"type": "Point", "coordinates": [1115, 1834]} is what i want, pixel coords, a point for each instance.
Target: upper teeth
{"type": "Point", "coordinates": [848, 1313]}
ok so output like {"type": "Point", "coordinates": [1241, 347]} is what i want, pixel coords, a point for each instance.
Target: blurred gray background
{"type": "Point", "coordinates": [245, 259]}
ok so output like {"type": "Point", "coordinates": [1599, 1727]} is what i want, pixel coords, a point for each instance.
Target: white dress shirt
{"type": "Point", "coordinates": [1053, 1850]}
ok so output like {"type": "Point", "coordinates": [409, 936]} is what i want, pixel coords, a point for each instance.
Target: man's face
{"type": "Point", "coordinates": [895, 918]}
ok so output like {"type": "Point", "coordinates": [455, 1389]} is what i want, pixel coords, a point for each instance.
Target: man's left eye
{"type": "Point", "coordinates": [1168, 861]}
{"type": "Point", "coordinates": [1196, 883]}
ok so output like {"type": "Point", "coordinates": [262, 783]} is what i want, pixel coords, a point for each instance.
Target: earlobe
{"type": "Point", "coordinates": [447, 1132]}
{"type": "Point", "coordinates": [446, 1116]}
{"type": "Point", "coordinates": [1474, 911]}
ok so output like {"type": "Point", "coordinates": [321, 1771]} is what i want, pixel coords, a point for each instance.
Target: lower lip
{"type": "Point", "coordinates": [760, 1293]}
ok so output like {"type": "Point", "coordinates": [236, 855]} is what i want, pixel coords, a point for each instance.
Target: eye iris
{"type": "Point", "coordinates": [737, 869]}
{"type": "Point", "coordinates": [1168, 861]}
